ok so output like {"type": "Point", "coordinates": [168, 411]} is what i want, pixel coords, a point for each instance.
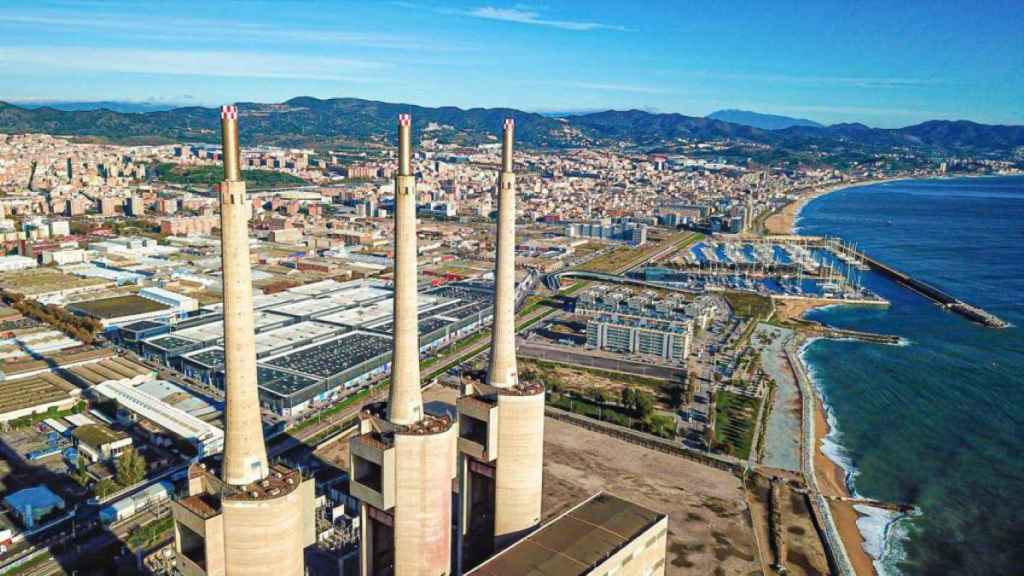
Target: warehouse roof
{"type": "Point", "coordinates": [575, 542]}
{"type": "Point", "coordinates": [333, 356]}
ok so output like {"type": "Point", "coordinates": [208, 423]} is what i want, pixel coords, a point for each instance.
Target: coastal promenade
{"type": "Point", "coordinates": [834, 546]}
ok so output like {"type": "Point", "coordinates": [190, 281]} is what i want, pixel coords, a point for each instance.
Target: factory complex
{"type": "Point", "coordinates": [313, 342]}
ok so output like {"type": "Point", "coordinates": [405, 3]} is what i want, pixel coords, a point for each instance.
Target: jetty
{"type": "Point", "coordinates": [943, 299]}
{"type": "Point", "coordinates": [947, 301]}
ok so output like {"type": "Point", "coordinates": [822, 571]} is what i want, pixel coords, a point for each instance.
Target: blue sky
{"type": "Point", "coordinates": [882, 63]}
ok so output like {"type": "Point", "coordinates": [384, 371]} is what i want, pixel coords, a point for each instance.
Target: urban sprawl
{"type": "Point", "coordinates": [598, 396]}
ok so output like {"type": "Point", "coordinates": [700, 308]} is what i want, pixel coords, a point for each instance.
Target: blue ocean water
{"type": "Point", "coordinates": [938, 423]}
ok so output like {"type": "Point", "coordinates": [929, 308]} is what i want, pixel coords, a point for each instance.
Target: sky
{"type": "Point", "coordinates": [886, 64]}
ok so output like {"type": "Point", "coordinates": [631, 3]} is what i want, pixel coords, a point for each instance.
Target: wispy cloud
{"type": "Point", "coordinates": [190, 63]}
{"type": "Point", "coordinates": [198, 27]}
{"type": "Point", "coordinates": [524, 15]}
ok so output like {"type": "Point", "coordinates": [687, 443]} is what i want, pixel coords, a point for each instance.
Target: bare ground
{"type": "Point", "coordinates": [805, 555]}
{"type": "Point", "coordinates": [710, 529]}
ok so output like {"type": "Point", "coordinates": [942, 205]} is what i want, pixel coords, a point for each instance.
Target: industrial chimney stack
{"type": "Point", "coordinates": [245, 455]}
{"type": "Point", "coordinates": [501, 423]}
{"type": "Point", "coordinates": [402, 462]}
{"type": "Point", "coordinates": [503, 372]}
{"type": "Point", "coordinates": [245, 517]}
{"type": "Point", "coordinates": [405, 402]}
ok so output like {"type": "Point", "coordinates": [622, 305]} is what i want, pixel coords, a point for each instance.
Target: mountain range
{"type": "Point", "coordinates": [113, 105]}
{"type": "Point", "coordinates": [763, 121]}
{"type": "Point", "coordinates": [312, 122]}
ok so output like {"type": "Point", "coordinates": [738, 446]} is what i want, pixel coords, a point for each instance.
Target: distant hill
{"type": "Point", "coordinates": [762, 121]}
{"type": "Point", "coordinates": [312, 122]}
{"type": "Point", "coordinates": [115, 106]}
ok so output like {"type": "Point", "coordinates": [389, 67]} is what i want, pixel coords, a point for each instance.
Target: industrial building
{"type": "Point", "coordinates": [314, 342]}
{"type": "Point", "coordinates": [206, 438]}
{"type": "Point", "coordinates": [99, 443]}
{"type": "Point", "coordinates": [501, 423]}
{"type": "Point", "coordinates": [34, 504]}
{"type": "Point", "coordinates": [628, 334]}
{"type": "Point", "coordinates": [242, 516]}
{"type": "Point", "coordinates": [601, 536]}
{"type": "Point", "coordinates": [36, 394]}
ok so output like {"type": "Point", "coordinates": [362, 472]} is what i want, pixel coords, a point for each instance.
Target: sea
{"type": "Point", "coordinates": [937, 423]}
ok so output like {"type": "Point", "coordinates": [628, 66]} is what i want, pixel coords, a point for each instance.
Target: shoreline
{"type": "Point", "coordinates": [833, 479]}
{"type": "Point", "coordinates": [784, 222]}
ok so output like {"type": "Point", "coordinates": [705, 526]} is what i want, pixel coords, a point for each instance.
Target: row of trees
{"type": "Point", "coordinates": [78, 327]}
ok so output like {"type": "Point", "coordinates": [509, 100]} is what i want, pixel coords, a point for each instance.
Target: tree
{"type": "Point", "coordinates": [80, 475]}
{"type": "Point", "coordinates": [105, 487]}
{"type": "Point", "coordinates": [676, 395]}
{"type": "Point", "coordinates": [628, 397]}
{"type": "Point", "coordinates": [598, 395]}
{"type": "Point", "coordinates": [643, 404]}
{"type": "Point", "coordinates": [131, 468]}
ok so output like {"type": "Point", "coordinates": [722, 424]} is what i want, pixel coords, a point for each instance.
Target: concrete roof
{"type": "Point", "coordinates": [575, 542]}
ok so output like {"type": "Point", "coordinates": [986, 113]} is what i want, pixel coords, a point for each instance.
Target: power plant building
{"type": "Point", "coordinates": [602, 536]}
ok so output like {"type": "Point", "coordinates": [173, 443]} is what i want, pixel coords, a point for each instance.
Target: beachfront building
{"type": "Point", "coordinates": [626, 334]}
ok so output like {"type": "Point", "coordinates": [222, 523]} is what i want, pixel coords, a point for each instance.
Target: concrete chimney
{"type": "Point", "coordinates": [405, 402]}
{"type": "Point", "coordinates": [245, 455]}
{"type": "Point", "coordinates": [503, 372]}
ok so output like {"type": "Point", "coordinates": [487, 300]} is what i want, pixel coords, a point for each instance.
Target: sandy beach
{"type": "Point", "coordinates": [832, 482]}
{"type": "Point", "coordinates": [784, 222]}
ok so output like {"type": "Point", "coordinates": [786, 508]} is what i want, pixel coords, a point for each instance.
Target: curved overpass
{"type": "Point", "coordinates": [552, 280]}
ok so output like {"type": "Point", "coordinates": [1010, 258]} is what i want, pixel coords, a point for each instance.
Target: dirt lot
{"type": "Point", "coordinates": [804, 555]}
{"type": "Point", "coordinates": [709, 526]}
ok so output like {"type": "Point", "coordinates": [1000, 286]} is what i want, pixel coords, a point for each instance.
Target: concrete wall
{"type": "Point", "coordinates": [265, 537]}
{"type": "Point", "coordinates": [520, 467]}
{"type": "Point", "coordinates": [423, 503]}
{"type": "Point", "coordinates": [643, 556]}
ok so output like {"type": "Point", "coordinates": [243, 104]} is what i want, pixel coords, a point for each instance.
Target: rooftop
{"type": "Point", "coordinates": [33, 391]}
{"type": "Point", "coordinates": [170, 343]}
{"type": "Point", "coordinates": [119, 306]}
{"type": "Point", "coordinates": [333, 356]}
{"type": "Point", "coordinates": [576, 542]}
{"type": "Point", "coordinates": [97, 434]}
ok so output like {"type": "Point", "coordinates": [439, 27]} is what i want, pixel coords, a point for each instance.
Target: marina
{"type": "Point", "coordinates": [826, 269]}
{"type": "Point", "coordinates": [818, 267]}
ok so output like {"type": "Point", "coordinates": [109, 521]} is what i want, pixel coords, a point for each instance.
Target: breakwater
{"type": "Point", "coordinates": [945, 300]}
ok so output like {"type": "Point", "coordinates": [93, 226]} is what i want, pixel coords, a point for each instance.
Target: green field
{"type": "Point", "coordinates": [749, 305]}
{"type": "Point", "coordinates": [210, 175]}
{"type": "Point", "coordinates": [734, 423]}
{"type": "Point", "coordinates": [119, 306]}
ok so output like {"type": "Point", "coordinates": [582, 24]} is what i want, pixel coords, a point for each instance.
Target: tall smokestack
{"type": "Point", "coordinates": [503, 372]}
{"type": "Point", "coordinates": [405, 402]}
{"type": "Point", "coordinates": [245, 455]}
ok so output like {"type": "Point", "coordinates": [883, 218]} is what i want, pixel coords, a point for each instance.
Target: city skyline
{"type": "Point", "coordinates": [825, 64]}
